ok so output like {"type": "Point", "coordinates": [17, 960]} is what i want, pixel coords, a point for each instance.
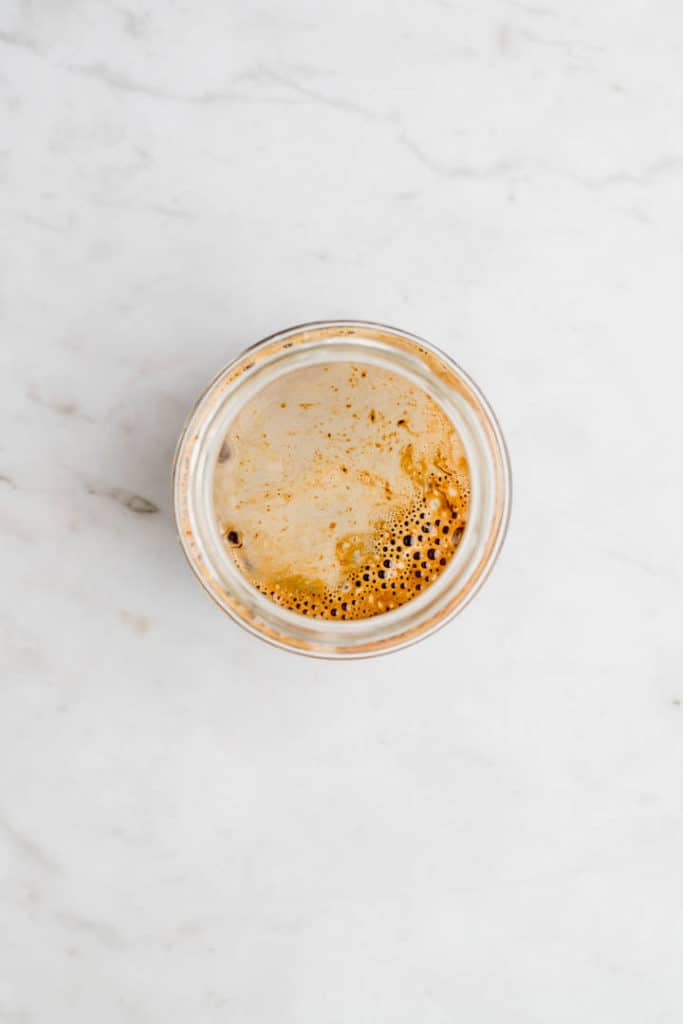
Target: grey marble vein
{"type": "Point", "coordinates": [28, 849]}
{"type": "Point", "coordinates": [136, 23]}
{"type": "Point", "coordinates": [19, 41]}
{"type": "Point", "coordinates": [327, 100]}
{"type": "Point", "coordinates": [573, 46]}
{"type": "Point", "coordinates": [103, 932]}
{"type": "Point", "coordinates": [62, 407]}
{"type": "Point", "coordinates": [113, 79]}
{"type": "Point", "coordinates": [117, 80]}
{"type": "Point", "coordinates": [134, 502]}
{"type": "Point", "coordinates": [650, 173]}
{"type": "Point", "coordinates": [43, 224]}
{"type": "Point", "coordinates": [155, 209]}
{"type": "Point", "coordinates": [663, 573]}
{"type": "Point", "coordinates": [665, 167]}
{"type": "Point", "coordinates": [500, 168]}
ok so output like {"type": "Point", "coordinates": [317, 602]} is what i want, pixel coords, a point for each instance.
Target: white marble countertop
{"type": "Point", "coordinates": [486, 828]}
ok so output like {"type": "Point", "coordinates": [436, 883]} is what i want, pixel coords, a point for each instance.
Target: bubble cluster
{"type": "Point", "coordinates": [405, 554]}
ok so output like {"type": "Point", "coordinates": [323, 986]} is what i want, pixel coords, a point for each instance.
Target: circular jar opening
{"type": "Point", "coordinates": [341, 489]}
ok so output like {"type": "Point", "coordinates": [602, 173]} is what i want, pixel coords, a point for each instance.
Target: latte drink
{"type": "Point", "coordinates": [341, 490]}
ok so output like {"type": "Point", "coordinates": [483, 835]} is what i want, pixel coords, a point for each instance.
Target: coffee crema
{"type": "Point", "coordinates": [341, 490]}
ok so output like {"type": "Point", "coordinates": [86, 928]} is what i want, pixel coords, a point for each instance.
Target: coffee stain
{"type": "Point", "coordinates": [504, 39]}
{"type": "Point", "coordinates": [140, 624]}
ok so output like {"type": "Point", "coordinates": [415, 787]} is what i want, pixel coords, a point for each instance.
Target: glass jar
{"type": "Point", "coordinates": [305, 346]}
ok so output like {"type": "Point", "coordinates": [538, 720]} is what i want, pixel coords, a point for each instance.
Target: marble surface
{"type": "Point", "coordinates": [193, 826]}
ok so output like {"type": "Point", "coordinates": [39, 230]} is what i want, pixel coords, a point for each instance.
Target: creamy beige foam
{"type": "Point", "coordinates": [341, 490]}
